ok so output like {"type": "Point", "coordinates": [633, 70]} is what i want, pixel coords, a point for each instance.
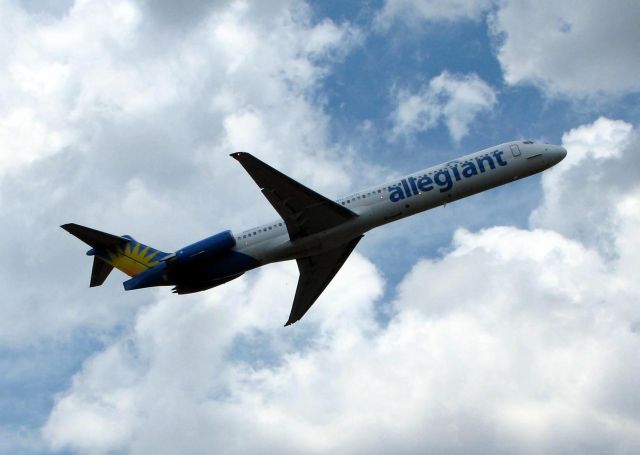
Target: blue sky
{"type": "Point", "coordinates": [507, 321]}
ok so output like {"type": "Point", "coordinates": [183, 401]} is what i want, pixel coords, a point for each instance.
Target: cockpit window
{"type": "Point", "coordinates": [527, 142]}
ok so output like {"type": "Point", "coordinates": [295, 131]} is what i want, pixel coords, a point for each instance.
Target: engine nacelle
{"type": "Point", "coordinates": [204, 249]}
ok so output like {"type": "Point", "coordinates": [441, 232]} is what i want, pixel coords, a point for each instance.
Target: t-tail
{"type": "Point", "coordinates": [109, 251]}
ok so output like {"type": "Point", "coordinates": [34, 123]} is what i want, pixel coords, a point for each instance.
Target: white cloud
{"type": "Point", "coordinates": [581, 49]}
{"type": "Point", "coordinates": [582, 195]}
{"type": "Point", "coordinates": [57, 83]}
{"type": "Point", "coordinates": [162, 361]}
{"type": "Point", "coordinates": [453, 99]}
{"type": "Point", "coordinates": [414, 12]}
{"type": "Point", "coordinates": [572, 48]}
{"type": "Point", "coordinates": [514, 341]}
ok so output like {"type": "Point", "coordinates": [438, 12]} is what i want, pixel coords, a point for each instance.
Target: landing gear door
{"type": "Point", "coordinates": [515, 150]}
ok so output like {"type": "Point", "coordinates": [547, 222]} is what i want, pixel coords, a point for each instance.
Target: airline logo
{"type": "Point", "coordinates": [446, 177]}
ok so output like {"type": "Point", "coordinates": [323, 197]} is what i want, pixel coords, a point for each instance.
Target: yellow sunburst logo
{"type": "Point", "coordinates": [132, 259]}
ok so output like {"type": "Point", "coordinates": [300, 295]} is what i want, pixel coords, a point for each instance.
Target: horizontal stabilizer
{"type": "Point", "coordinates": [93, 237]}
{"type": "Point", "coordinates": [100, 272]}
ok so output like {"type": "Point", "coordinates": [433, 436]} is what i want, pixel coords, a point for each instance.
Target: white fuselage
{"type": "Point", "coordinates": [414, 193]}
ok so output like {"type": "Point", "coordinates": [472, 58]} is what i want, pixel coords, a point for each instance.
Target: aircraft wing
{"type": "Point", "coordinates": [304, 211]}
{"type": "Point", "coordinates": [316, 272]}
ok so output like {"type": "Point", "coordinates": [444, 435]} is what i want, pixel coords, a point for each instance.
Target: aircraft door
{"type": "Point", "coordinates": [515, 150]}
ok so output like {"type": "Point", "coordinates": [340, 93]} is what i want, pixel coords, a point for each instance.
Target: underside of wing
{"type": "Point", "coordinates": [304, 211]}
{"type": "Point", "coordinates": [316, 272]}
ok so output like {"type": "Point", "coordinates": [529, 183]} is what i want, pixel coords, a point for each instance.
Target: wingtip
{"type": "Point", "coordinates": [237, 155]}
{"type": "Point", "coordinates": [69, 227]}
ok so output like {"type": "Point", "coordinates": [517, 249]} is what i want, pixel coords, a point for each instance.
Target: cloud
{"type": "Point", "coordinates": [514, 339]}
{"type": "Point", "coordinates": [572, 49]}
{"type": "Point", "coordinates": [414, 12]}
{"type": "Point", "coordinates": [582, 197]}
{"type": "Point", "coordinates": [576, 49]}
{"type": "Point", "coordinates": [163, 356]}
{"type": "Point", "coordinates": [453, 99]}
{"type": "Point", "coordinates": [233, 61]}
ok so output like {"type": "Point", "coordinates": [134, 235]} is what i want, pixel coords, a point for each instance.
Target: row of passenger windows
{"type": "Point", "coordinates": [362, 196]}
{"type": "Point", "coordinates": [258, 231]}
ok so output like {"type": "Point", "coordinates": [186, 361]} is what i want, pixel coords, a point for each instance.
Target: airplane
{"type": "Point", "coordinates": [319, 233]}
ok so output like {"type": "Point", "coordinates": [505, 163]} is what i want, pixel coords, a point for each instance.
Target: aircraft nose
{"type": "Point", "coordinates": [556, 153]}
{"type": "Point", "coordinates": [562, 153]}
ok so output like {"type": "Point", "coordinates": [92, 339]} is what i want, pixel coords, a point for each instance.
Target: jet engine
{"type": "Point", "coordinates": [203, 250]}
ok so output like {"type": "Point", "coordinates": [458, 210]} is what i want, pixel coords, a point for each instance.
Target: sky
{"type": "Point", "coordinates": [507, 322]}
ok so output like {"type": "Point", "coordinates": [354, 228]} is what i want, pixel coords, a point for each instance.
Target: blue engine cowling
{"type": "Point", "coordinates": [205, 249]}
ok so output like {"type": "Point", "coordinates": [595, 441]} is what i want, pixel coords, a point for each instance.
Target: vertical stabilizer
{"type": "Point", "coordinates": [100, 271]}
